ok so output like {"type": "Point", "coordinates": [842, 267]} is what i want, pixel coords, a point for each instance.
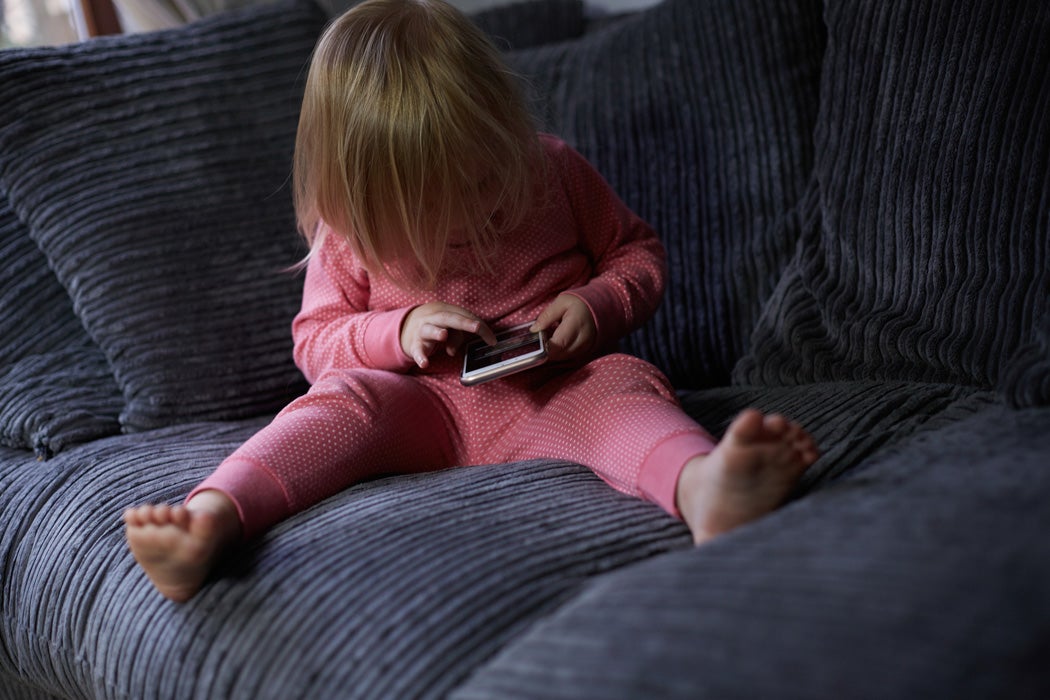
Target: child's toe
{"type": "Point", "coordinates": [748, 426]}
{"type": "Point", "coordinates": [777, 425]}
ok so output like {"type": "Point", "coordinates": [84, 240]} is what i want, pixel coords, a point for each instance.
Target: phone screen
{"type": "Point", "coordinates": [515, 349]}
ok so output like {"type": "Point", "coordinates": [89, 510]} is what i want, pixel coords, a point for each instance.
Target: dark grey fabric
{"type": "Point", "coordinates": [55, 399]}
{"type": "Point", "coordinates": [12, 688]}
{"type": "Point", "coordinates": [926, 573]}
{"type": "Point", "coordinates": [403, 586]}
{"type": "Point", "coordinates": [851, 421]}
{"type": "Point", "coordinates": [513, 25]}
{"type": "Point", "coordinates": [1026, 381]}
{"type": "Point", "coordinates": [928, 258]}
{"type": "Point", "coordinates": [530, 23]}
{"type": "Point", "coordinates": [152, 171]}
{"type": "Point", "coordinates": [395, 588]}
{"type": "Point", "coordinates": [700, 116]}
{"type": "Point", "coordinates": [56, 388]}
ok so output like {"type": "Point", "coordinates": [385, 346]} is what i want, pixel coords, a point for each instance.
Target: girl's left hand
{"type": "Point", "coordinates": [575, 332]}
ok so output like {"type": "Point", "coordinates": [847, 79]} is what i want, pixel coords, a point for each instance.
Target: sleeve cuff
{"type": "Point", "coordinates": [260, 500]}
{"type": "Point", "coordinates": [382, 340]}
{"type": "Point", "coordinates": [658, 480]}
{"type": "Point", "coordinates": [606, 309]}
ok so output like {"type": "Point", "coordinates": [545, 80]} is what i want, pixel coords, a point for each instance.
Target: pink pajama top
{"type": "Point", "coordinates": [583, 239]}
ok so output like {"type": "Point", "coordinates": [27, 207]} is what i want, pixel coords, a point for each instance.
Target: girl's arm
{"type": "Point", "coordinates": [629, 260]}
{"type": "Point", "coordinates": [334, 327]}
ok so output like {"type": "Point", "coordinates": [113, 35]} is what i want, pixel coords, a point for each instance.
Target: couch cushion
{"type": "Point", "coordinates": [699, 113]}
{"type": "Point", "coordinates": [927, 255]}
{"type": "Point", "coordinates": [924, 574]}
{"type": "Point", "coordinates": [152, 171]}
{"type": "Point", "coordinates": [527, 23]}
{"type": "Point", "coordinates": [1026, 381]}
{"type": "Point", "coordinates": [851, 421]}
{"type": "Point", "coordinates": [56, 388]}
{"type": "Point", "coordinates": [395, 588]}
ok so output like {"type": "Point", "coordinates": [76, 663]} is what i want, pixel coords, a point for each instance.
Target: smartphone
{"type": "Point", "coordinates": [516, 349]}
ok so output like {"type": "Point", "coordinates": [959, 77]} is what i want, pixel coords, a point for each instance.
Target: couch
{"type": "Point", "coordinates": [855, 200]}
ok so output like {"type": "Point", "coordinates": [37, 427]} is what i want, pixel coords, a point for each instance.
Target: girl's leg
{"type": "Point", "coordinates": [351, 426]}
{"type": "Point", "coordinates": [619, 416]}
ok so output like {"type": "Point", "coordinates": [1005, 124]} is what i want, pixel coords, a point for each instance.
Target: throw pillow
{"type": "Point", "coordinates": [699, 113]}
{"type": "Point", "coordinates": [56, 388]}
{"type": "Point", "coordinates": [153, 172]}
{"type": "Point", "coordinates": [929, 253]}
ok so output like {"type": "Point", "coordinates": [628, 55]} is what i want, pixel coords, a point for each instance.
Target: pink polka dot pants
{"type": "Point", "coordinates": [617, 415]}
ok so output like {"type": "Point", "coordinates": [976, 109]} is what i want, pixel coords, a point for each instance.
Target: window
{"type": "Point", "coordinates": [36, 22]}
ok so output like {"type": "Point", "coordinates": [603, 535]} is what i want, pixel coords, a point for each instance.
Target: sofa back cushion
{"type": "Point", "coordinates": [153, 172]}
{"type": "Point", "coordinates": [1026, 380]}
{"type": "Point", "coordinates": [56, 388]}
{"type": "Point", "coordinates": [519, 25]}
{"type": "Point", "coordinates": [927, 253]}
{"type": "Point", "coordinates": [699, 113]}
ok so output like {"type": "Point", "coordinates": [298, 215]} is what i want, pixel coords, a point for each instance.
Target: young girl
{"type": "Point", "coordinates": [436, 213]}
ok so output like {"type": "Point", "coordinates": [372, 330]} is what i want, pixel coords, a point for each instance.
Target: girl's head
{"type": "Point", "coordinates": [413, 136]}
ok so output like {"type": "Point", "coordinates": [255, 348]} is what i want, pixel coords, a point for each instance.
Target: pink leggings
{"type": "Point", "coordinates": [616, 415]}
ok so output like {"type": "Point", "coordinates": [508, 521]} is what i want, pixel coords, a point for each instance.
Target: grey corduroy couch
{"type": "Point", "coordinates": [855, 199]}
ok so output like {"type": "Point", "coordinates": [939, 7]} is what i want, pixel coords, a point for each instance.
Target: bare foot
{"type": "Point", "coordinates": [177, 546]}
{"type": "Point", "coordinates": [748, 474]}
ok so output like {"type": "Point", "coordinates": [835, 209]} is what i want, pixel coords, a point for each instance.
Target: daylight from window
{"type": "Point", "coordinates": [35, 22]}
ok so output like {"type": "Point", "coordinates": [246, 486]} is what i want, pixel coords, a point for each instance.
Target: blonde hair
{"type": "Point", "coordinates": [413, 131]}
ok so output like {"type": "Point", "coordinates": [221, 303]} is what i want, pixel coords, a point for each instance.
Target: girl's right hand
{"type": "Point", "coordinates": [430, 326]}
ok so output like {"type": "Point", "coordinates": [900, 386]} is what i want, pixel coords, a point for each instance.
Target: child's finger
{"type": "Point", "coordinates": [420, 352]}
{"type": "Point", "coordinates": [428, 331]}
{"type": "Point", "coordinates": [454, 343]}
{"type": "Point", "coordinates": [549, 316]}
{"type": "Point", "coordinates": [463, 321]}
{"type": "Point", "coordinates": [485, 333]}
{"type": "Point", "coordinates": [574, 335]}
{"type": "Point", "coordinates": [561, 341]}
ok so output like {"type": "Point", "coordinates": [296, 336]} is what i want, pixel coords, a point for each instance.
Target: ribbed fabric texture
{"type": "Point", "coordinates": [851, 421]}
{"type": "Point", "coordinates": [928, 255]}
{"type": "Point", "coordinates": [513, 25]}
{"type": "Point", "coordinates": [1026, 381]}
{"type": "Point", "coordinates": [152, 170]}
{"type": "Point", "coordinates": [521, 25]}
{"type": "Point", "coordinates": [923, 575]}
{"type": "Point", "coordinates": [397, 588]}
{"type": "Point", "coordinates": [700, 115]}
{"type": "Point", "coordinates": [56, 388]}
